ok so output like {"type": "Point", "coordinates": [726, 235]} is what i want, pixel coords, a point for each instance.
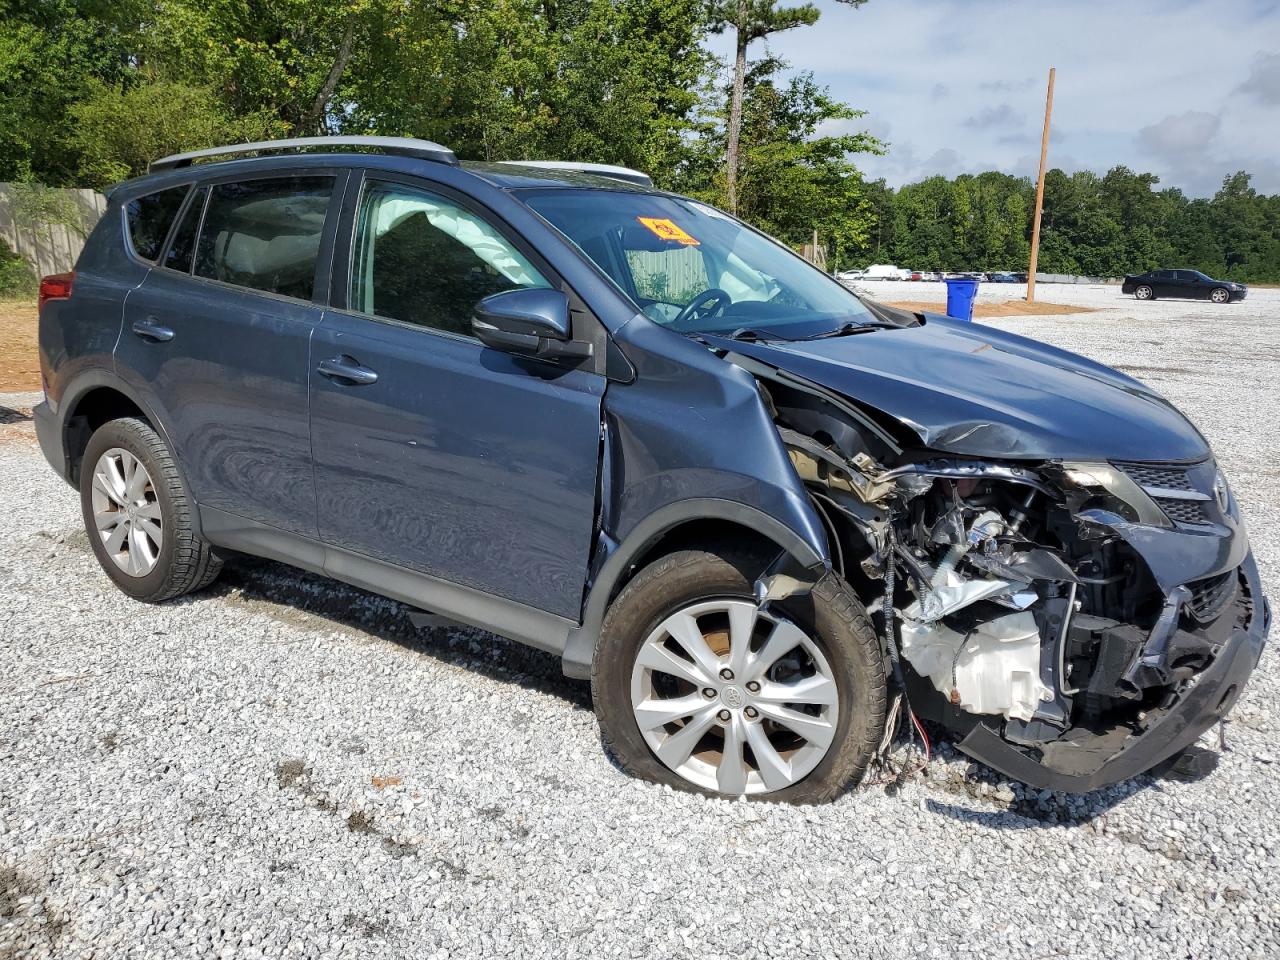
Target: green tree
{"type": "Point", "coordinates": [793, 179]}
{"type": "Point", "coordinates": [119, 131]}
{"type": "Point", "coordinates": [750, 20]}
{"type": "Point", "coordinates": [52, 52]}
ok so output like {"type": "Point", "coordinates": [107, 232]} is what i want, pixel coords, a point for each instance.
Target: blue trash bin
{"type": "Point", "coordinates": [960, 295]}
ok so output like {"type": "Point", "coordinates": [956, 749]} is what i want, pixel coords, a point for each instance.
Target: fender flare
{"type": "Point", "coordinates": [581, 642]}
{"type": "Point", "coordinates": [94, 379]}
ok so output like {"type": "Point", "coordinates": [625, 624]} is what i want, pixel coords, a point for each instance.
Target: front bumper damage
{"type": "Point", "coordinates": [1089, 760]}
{"type": "Point", "coordinates": [1070, 623]}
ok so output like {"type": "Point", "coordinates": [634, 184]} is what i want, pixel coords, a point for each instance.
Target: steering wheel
{"type": "Point", "coordinates": [704, 306]}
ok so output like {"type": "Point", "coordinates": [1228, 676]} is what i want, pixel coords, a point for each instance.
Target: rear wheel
{"type": "Point", "coordinates": [1219, 295]}
{"type": "Point", "coordinates": [696, 688]}
{"type": "Point", "coordinates": [139, 515]}
{"type": "Point", "coordinates": [1143, 292]}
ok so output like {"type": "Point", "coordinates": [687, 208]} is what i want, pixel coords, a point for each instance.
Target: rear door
{"type": "Point", "coordinates": [217, 337]}
{"type": "Point", "coordinates": [433, 452]}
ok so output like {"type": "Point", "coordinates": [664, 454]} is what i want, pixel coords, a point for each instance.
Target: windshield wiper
{"type": "Point", "coordinates": [851, 327]}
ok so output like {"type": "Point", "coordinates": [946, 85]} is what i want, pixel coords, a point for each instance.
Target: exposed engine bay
{"type": "Point", "coordinates": [1060, 619]}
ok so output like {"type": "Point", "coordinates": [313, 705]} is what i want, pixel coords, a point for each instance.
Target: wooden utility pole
{"type": "Point", "coordinates": [1035, 224]}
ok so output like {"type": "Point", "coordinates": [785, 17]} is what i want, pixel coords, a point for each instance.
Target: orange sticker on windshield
{"type": "Point", "coordinates": [668, 231]}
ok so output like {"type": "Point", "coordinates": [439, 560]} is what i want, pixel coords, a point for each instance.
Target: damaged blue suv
{"type": "Point", "coordinates": [765, 517]}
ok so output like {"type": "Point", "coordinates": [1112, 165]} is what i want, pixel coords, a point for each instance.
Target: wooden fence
{"type": "Point", "coordinates": [47, 226]}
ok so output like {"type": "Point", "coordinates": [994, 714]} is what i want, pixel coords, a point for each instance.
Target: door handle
{"type": "Point", "coordinates": [152, 329]}
{"type": "Point", "coordinates": [345, 369]}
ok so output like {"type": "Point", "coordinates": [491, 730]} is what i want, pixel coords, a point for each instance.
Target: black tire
{"type": "Point", "coordinates": [1143, 292]}
{"type": "Point", "coordinates": [831, 614]}
{"type": "Point", "coordinates": [185, 562]}
{"type": "Point", "coordinates": [1220, 295]}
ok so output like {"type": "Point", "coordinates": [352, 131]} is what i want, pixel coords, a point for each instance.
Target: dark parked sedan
{"type": "Point", "coordinates": [1187, 284]}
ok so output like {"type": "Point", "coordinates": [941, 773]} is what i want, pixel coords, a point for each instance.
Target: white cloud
{"type": "Point", "coordinates": [1263, 82]}
{"type": "Point", "coordinates": [1175, 137]}
{"type": "Point", "coordinates": [927, 67]}
{"type": "Point", "coordinates": [1000, 116]}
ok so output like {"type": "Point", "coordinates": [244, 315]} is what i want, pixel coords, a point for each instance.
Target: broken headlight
{"type": "Point", "coordinates": [1100, 486]}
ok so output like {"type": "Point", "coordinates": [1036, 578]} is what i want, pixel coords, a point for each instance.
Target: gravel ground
{"type": "Point", "coordinates": [284, 767]}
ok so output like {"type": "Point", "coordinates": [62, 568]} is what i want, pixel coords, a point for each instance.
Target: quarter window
{"type": "Point", "coordinates": [421, 259]}
{"type": "Point", "coordinates": [149, 220]}
{"type": "Point", "coordinates": [265, 234]}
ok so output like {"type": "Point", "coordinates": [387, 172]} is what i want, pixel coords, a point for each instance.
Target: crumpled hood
{"type": "Point", "coordinates": [979, 391]}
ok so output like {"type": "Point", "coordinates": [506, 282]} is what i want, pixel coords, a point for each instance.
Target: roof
{"type": "Point", "coordinates": [514, 174]}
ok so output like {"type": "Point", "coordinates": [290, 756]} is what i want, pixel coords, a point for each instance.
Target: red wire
{"type": "Point", "coordinates": [923, 736]}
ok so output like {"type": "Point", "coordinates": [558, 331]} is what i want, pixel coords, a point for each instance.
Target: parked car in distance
{"type": "Point", "coordinates": [884, 271]}
{"type": "Point", "coordinates": [916, 275]}
{"type": "Point", "coordinates": [626, 428]}
{"type": "Point", "coordinates": [1002, 278]}
{"type": "Point", "coordinates": [1184, 284]}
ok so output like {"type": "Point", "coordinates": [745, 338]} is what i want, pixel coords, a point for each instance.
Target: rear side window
{"type": "Point", "coordinates": [265, 234]}
{"type": "Point", "coordinates": [182, 249]}
{"type": "Point", "coordinates": [150, 218]}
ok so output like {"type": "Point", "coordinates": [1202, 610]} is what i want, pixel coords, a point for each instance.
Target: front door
{"type": "Point", "coordinates": [217, 338]}
{"type": "Point", "coordinates": [1165, 284]}
{"type": "Point", "coordinates": [433, 452]}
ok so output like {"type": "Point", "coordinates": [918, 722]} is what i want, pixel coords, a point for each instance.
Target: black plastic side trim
{"type": "Point", "coordinates": [537, 628]}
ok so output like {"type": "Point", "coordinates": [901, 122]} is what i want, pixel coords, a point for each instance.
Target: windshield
{"type": "Point", "coordinates": [696, 270]}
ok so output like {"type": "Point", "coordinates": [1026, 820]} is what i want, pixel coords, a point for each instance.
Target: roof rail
{"type": "Point", "coordinates": [601, 169]}
{"type": "Point", "coordinates": [400, 146]}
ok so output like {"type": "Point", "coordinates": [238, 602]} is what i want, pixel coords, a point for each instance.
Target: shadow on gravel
{"type": "Point", "coordinates": [299, 598]}
{"type": "Point", "coordinates": [1019, 807]}
{"type": "Point", "coordinates": [10, 415]}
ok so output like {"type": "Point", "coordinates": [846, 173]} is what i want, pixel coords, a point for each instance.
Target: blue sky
{"type": "Point", "coordinates": [1186, 89]}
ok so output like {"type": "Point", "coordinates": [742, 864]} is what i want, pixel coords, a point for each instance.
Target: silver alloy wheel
{"type": "Point", "coordinates": [1143, 293]}
{"type": "Point", "coordinates": [126, 512]}
{"type": "Point", "coordinates": [733, 699]}
{"type": "Point", "coordinates": [1219, 296]}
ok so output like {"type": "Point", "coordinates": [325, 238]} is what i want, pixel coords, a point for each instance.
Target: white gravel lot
{"type": "Point", "coordinates": [282, 767]}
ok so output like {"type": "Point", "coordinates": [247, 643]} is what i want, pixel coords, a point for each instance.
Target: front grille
{"type": "Point", "coordinates": [1188, 504]}
{"type": "Point", "coordinates": [1190, 512]}
{"type": "Point", "coordinates": [1158, 475]}
{"type": "Point", "coordinates": [1210, 596]}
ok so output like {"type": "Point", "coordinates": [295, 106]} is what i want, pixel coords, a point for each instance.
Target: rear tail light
{"type": "Point", "coordinates": [56, 286]}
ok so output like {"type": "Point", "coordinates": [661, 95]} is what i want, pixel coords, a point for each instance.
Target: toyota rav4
{"type": "Point", "coordinates": [764, 516]}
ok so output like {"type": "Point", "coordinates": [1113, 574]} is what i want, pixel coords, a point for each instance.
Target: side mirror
{"type": "Point", "coordinates": [530, 321]}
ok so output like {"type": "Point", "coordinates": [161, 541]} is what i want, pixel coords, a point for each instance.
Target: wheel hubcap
{"type": "Point", "coordinates": [126, 512]}
{"type": "Point", "coordinates": [734, 700]}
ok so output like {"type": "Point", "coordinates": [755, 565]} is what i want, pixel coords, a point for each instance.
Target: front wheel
{"type": "Point", "coordinates": [696, 688]}
{"type": "Point", "coordinates": [1143, 292]}
{"type": "Point", "coordinates": [1219, 295]}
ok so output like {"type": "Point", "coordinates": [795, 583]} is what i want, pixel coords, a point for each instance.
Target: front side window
{"type": "Point", "coordinates": [265, 234]}
{"type": "Point", "coordinates": [421, 259]}
{"type": "Point", "coordinates": [149, 219]}
{"type": "Point", "coordinates": [1191, 275]}
{"type": "Point", "coordinates": [696, 270]}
